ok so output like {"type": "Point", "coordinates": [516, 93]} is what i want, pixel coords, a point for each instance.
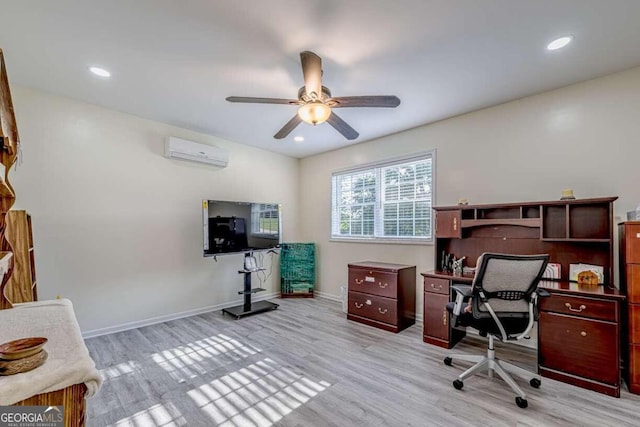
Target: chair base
{"type": "Point", "coordinates": [492, 364]}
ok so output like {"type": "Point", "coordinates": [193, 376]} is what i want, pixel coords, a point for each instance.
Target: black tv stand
{"type": "Point", "coordinates": [249, 307]}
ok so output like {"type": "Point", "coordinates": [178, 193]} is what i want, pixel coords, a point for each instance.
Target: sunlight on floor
{"type": "Point", "coordinates": [257, 395]}
{"type": "Point", "coordinates": [187, 361]}
{"type": "Point", "coordinates": [157, 416]}
{"type": "Point", "coordinates": [119, 370]}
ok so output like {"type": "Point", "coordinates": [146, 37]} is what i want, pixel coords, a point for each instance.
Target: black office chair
{"type": "Point", "coordinates": [503, 300]}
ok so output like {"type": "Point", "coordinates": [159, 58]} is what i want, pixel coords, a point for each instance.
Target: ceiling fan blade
{"type": "Point", "coordinates": [252, 100]}
{"type": "Point", "coordinates": [286, 129]}
{"type": "Point", "coordinates": [312, 72]}
{"type": "Point", "coordinates": [342, 127]}
{"type": "Point", "coordinates": [388, 101]}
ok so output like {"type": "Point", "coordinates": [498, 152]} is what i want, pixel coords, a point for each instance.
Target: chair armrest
{"type": "Point", "coordinates": [463, 292]}
{"type": "Point", "coordinates": [542, 292]}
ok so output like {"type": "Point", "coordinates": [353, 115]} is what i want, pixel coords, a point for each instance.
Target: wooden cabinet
{"type": "Point", "coordinates": [382, 295]}
{"type": "Point", "coordinates": [21, 286]}
{"type": "Point", "coordinates": [436, 325]}
{"type": "Point", "coordinates": [629, 233]}
{"type": "Point", "coordinates": [448, 224]}
{"type": "Point", "coordinates": [579, 338]}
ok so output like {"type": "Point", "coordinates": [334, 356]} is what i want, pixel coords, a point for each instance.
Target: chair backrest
{"type": "Point", "coordinates": [507, 283]}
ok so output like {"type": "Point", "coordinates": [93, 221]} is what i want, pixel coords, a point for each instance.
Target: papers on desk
{"type": "Point", "coordinates": [552, 272]}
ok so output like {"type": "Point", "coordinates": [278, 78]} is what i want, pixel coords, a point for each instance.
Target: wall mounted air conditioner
{"type": "Point", "coordinates": [177, 148]}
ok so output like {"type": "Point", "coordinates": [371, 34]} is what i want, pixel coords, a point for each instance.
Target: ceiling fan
{"type": "Point", "coordinates": [316, 103]}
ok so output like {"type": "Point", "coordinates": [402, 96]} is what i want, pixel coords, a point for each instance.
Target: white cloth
{"type": "Point", "coordinates": [68, 363]}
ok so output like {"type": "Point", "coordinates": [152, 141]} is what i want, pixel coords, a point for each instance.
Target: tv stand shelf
{"type": "Point", "coordinates": [249, 307]}
{"type": "Point", "coordinates": [252, 291]}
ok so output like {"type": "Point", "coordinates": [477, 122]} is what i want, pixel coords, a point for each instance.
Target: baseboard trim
{"type": "Point", "coordinates": [325, 295]}
{"type": "Point", "coordinates": [160, 319]}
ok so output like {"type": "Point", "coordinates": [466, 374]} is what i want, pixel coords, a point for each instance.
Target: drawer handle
{"type": "Point", "coordinates": [381, 311]}
{"type": "Point", "coordinates": [455, 224]}
{"type": "Point", "coordinates": [444, 318]}
{"type": "Point", "coordinates": [358, 305]}
{"type": "Point", "coordinates": [577, 310]}
{"type": "Point", "coordinates": [437, 288]}
{"type": "Point", "coordinates": [583, 333]}
{"type": "Point", "coordinates": [383, 285]}
{"type": "Point", "coordinates": [359, 281]}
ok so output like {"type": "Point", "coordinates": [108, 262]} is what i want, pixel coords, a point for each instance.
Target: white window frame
{"type": "Point", "coordinates": [378, 236]}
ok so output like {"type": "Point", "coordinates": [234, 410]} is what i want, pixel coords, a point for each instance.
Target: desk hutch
{"type": "Point", "coordinates": [579, 329]}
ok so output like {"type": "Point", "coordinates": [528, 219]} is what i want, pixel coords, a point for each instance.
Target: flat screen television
{"type": "Point", "coordinates": [240, 227]}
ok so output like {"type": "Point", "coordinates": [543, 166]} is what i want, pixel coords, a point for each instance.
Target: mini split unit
{"type": "Point", "coordinates": [177, 148]}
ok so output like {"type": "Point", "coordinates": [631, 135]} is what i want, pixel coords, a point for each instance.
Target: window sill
{"type": "Point", "coordinates": [426, 242]}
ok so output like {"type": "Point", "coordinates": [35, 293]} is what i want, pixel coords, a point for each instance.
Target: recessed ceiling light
{"type": "Point", "coordinates": [559, 43]}
{"type": "Point", "coordinates": [298, 138]}
{"type": "Point", "coordinates": [100, 72]}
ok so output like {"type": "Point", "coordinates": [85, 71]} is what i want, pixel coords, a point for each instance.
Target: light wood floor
{"type": "Point", "coordinates": [306, 365]}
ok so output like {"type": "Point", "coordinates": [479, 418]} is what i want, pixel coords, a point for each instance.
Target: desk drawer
{"type": "Point", "coordinates": [437, 286]}
{"type": "Point", "coordinates": [579, 346]}
{"type": "Point", "coordinates": [580, 306]}
{"type": "Point", "coordinates": [374, 307]}
{"type": "Point", "coordinates": [374, 282]}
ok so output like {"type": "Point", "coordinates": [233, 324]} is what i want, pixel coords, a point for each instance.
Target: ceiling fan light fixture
{"type": "Point", "coordinates": [314, 112]}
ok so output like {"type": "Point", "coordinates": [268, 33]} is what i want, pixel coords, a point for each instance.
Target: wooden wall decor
{"type": "Point", "coordinates": [9, 147]}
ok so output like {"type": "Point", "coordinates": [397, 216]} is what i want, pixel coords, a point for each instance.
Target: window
{"type": "Point", "coordinates": [390, 200]}
{"type": "Point", "coordinates": [264, 219]}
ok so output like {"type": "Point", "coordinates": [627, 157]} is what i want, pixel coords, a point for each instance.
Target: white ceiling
{"type": "Point", "coordinates": [176, 61]}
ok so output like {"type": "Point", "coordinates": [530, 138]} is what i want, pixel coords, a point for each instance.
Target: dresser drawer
{"type": "Point", "coordinates": [634, 323]}
{"type": "Point", "coordinates": [632, 237]}
{"type": "Point", "coordinates": [373, 307]}
{"type": "Point", "coordinates": [633, 283]}
{"type": "Point", "coordinates": [580, 306]}
{"type": "Point", "coordinates": [634, 368]}
{"type": "Point", "coordinates": [435, 285]}
{"type": "Point", "coordinates": [579, 346]}
{"type": "Point", "coordinates": [374, 282]}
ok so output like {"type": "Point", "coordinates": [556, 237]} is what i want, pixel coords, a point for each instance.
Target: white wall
{"type": "Point", "coordinates": [585, 137]}
{"type": "Point", "coordinates": [118, 227]}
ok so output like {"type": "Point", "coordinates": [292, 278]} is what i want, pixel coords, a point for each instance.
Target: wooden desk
{"type": "Point", "coordinates": [579, 330]}
{"type": "Point", "coordinates": [580, 346]}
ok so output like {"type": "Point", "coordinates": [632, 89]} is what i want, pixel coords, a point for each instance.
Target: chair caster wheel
{"type": "Point", "coordinates": [447, 361]}
{"type": "Point", "coordinates": [535, 383]}
{"type": "Point", "coordinates": [457, 384]}
{"type": "Point", "coordinates": [522, 403]}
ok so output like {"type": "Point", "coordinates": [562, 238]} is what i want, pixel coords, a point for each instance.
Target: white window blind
{"type": "Point", "coordinates": [390, 200]}
{"type": "Point", "coordinates": [264, 218]}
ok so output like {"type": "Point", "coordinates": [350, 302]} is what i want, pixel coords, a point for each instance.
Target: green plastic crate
{"type": "Point", "coordinates": [297, 268]}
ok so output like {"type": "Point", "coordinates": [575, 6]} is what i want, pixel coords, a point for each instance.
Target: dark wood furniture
{"type": "Point", "coordinates": [382, 295]}
{"type": "Point", "coordinates": [629, 234]}
{"type": "Point", "coordinates": [579, 336]}
{"type": "Point", "coordinates": [579, 330]}
{"type": "Point", "coordinates": [436, 324]}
